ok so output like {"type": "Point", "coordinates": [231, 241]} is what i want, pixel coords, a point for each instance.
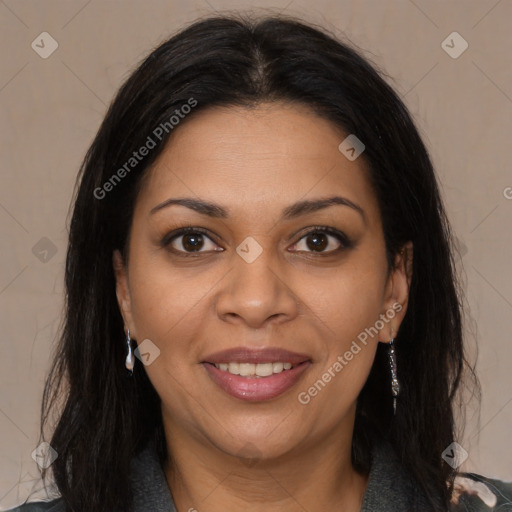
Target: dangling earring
{"type": "Point", "coordinates": [129, 355]}
{"type": "Point", "coordinates": [395, 385]}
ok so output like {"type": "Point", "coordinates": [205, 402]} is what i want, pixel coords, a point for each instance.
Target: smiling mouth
{"type": "Point", "coordinates": [256, 374]}
{"type": "Point", "coordinates": [255, 370]}
{"type": "Point", "coordinates": [256, 382]}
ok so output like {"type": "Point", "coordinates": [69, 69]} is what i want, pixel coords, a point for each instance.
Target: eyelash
{"type": "Point", "coordinates": [346, 243]}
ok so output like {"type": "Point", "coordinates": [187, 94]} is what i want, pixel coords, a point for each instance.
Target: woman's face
{"type": "Point", "coordinates": [275, 276]}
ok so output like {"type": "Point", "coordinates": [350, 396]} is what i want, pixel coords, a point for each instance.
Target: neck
{"type": "Point", "coordinates": [319, 476]}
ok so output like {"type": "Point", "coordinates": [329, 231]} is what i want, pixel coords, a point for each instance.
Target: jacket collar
{"type": "Point", "coordinates": [390, 488]}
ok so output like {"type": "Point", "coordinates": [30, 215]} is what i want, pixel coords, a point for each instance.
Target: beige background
{"type": "Point", "coordinates": [51, 109]}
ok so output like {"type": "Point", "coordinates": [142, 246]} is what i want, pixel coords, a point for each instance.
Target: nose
{"type": "Point", "coordinates": [257, 293]}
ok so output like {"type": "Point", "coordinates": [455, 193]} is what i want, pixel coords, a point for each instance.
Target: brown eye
{"type": "Point", "coordinates": [317, 241]}
{"type": "Point", "coordinates": [189, 240]}
{"type": "Point", "coordinates": [322, 240]}
{"type": "Point", "coordinates": [192, 242]}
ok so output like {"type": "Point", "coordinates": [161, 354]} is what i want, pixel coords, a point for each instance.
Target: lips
{"type": "Point", "coordinates": [249, 386]}
{"type": "Point", "coordinates": [255, 356]}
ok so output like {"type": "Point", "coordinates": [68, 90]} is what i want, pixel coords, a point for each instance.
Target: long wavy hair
{"type": "Point", "coordinates": [99, 418]}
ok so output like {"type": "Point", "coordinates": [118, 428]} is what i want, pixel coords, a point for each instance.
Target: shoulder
{"type": "Point", "coordinates": [56, 505]}
{"type": "Point", "coordinates": [476, 493]}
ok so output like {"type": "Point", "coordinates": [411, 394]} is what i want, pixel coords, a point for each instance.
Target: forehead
{"type": "Point", "coordinates": [255, 158]}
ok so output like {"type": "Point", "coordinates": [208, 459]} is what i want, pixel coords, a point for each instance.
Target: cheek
{"type": "Point", "coordinates": [350, 305]}
{"type": "Point", "coordinates": [159, 288]}
{"type": "Point", "coordinates": [168, 305]}
{"type": "Point", "coordinates": [350, 300]}
{"type": "Point", "coordinates": [168, 309]}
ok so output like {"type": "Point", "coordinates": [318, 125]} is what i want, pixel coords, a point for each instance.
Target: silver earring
{"type": "Point", "coordinates": [395, 385]}
{"type": "Point", "coordinates": [129, 355]}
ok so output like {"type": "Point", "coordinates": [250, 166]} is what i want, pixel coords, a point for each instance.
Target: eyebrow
{"type": "Point", "coordinates": [290, 212]}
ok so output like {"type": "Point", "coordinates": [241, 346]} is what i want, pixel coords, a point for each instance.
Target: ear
{"type": "Point", "coordinates": [123, 292]}
{"type": "Point", "coordinates": [397, 293]}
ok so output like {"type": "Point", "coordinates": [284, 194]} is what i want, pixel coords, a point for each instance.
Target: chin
{"type": "Point", "coordinates": [250, 449]}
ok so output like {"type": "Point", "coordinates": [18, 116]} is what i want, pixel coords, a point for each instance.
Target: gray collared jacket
{"type": "Point", "coordinates": [390, 489]}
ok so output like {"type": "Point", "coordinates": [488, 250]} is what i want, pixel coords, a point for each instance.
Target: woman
{"type": "Point", "coordinates": [262, 306]}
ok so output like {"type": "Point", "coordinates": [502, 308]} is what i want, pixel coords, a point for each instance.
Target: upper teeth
{"type": "Point", "coordinates": [250, 369]}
